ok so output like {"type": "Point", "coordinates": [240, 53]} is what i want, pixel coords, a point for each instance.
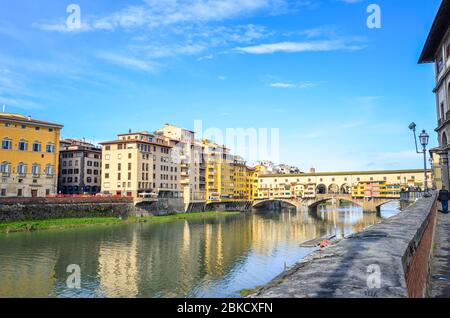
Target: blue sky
{"type": "Point", "coordinates": [342, 94]}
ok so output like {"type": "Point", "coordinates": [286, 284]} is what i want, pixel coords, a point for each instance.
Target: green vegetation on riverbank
{"type": "Point", "coordinates": [82, 222]}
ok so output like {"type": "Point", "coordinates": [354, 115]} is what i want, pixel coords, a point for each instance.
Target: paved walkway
{"type": "Point", "coordinates": [440, 267]}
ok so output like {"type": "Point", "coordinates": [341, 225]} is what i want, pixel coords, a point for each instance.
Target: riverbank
{"type": "Point", "coordinates": [66, 223]}
{"type": "Point", "coordinates": [387, 260]}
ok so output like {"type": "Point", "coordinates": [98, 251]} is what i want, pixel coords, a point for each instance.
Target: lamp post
{"type": "Point", "coordinates": [424, 138]}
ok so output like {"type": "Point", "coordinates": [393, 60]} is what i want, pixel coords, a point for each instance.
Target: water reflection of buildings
{"type": "Point", "coordinates": [29, 277]}
{"type": "Point", "coordinates": [118, 270]}
{"type": "Point", "coordinates": [178, 259]}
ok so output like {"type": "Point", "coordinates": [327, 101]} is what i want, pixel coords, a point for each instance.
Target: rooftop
{"type": "Point", "coordinates": [440, 26]}
{"type": "Point", "coordinates": [323, 174]}
{"type": "Point", "coordinates": [27, 120]}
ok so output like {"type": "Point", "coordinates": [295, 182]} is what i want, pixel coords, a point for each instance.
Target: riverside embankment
{"type": "Point", "coordinates": [31, 214]}
{"type": "Point", "coordinates": [389, 259]}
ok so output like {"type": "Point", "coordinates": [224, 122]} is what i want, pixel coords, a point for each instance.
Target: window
{"type": "Point", "coordinates": [439, 65]}
{"type": "Point", "coordinates": [37, 147]}
{"type": "Point", "coordinates": [6, 144]}
{"type": "Point", "coordinates": [106, 157]}
{"type": "Point", "coordinates": [49, 170]}
{"type": "Point", "coordinates": [50, 148]}
{"type": "Point", "coordinates": [36, 169]}
{"type": "Point", "coordinates": [23, 145]}
{"type": "Point", "coordinates": [5, 167]}
{"type": "Point", "coordinates": [21, 168]}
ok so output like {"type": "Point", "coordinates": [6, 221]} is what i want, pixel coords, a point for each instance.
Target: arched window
{"type": "Point", "coordinates": [5, 167]}
{"type": "Point", "coordinates": [444, 139]}
{"type": "Point", "coordinates": [23, 145]}
{"type": "Point", "coordinates": [21, 168]}
{"type": "Point", "coordinates": [6, 144]}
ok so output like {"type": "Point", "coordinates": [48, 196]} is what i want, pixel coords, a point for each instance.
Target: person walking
{"type": "Point", "coordinates": [443, 197]}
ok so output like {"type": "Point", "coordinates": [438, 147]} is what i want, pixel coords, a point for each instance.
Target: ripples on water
{"type": "Point", "coordinates": [209, 257]}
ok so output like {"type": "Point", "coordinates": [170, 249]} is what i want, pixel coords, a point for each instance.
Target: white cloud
{"type": "Point", "coordinates": [128, 62]}
{"type": "Point", "coordinates": [297, 47]}
{"type": "Point", "coordinates": [157, 13]}
{"type": "Point", "coordinates": [282, 85]}
{"type": "Point", "coordinates": [301, 85]}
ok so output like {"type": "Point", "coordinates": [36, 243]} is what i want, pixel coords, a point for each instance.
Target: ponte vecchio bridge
{"type": "Point", "coordinates": [313, 189]}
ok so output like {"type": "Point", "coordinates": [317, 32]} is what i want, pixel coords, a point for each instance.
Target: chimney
{"type": "Point", "coordinates": [129, 131]}
{"type": "Point", "coordinates": [29, 117]}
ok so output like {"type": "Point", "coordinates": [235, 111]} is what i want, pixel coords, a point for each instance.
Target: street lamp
{"type": "Point", "coordinates": [424, 138]}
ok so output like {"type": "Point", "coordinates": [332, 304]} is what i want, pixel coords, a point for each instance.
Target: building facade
{"type": "Point", "coordinates": [79, 167]}
{"type": "Point", "coordinates": [357, 184]}
{"type": "Point", "coordinates": [241, 179]}
{"type": "Point", "coordinates": [219, 174]}
{"type": "Point", "coordinates": [189, 154]}
{"type": "Point", "coordinates": [140, 164]}
{"type": "Point", "coordinates": [29, 156]}
{"type": "Point", "coordinates": [437, 51]}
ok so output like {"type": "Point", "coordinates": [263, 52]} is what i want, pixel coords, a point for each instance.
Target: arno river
{"type": "Point", "coordinates": [211, 257]}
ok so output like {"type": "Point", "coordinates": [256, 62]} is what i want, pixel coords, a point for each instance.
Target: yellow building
{"type": "Point", "coordinates": [436, 169]}
{"type": "Point", "coordinates": [240, 179]}
{"type": "Point", "coordinates": [219, 175]}
{"type": "Point", "coordinates": [29, 156]}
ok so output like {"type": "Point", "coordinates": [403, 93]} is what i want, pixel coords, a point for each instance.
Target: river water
{"type": "Point", "coordinates": [201, 257]}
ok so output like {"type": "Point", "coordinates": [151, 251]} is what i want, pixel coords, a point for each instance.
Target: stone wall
{"type": "Point", "coordinates": [25, 209]}
{"type": "Point", "coordinates": [240, 206]}
{"type": "Point", "coordinates": [163, 206]}
{"type": "Point", "coordinates": [389, 259]}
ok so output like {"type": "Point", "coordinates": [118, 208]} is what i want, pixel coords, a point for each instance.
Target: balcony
{"type": "Point", "coordinates": [6, 174]}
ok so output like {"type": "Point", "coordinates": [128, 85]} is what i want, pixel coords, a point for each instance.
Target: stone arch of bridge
{"type": "Point", "coordinates": [318, 202]}
{"type": "Point", "coordinates": [346, 189]}
{"type": "Point", "coordinates": [322, 189]}
{"type": "Point", "coordinates": [264, 202]}
{"type": "Point", "coordinates": [333, 189]}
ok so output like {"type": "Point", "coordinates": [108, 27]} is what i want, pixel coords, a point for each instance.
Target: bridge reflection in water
{"type": "Point", "coordinates": [205, 257]}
